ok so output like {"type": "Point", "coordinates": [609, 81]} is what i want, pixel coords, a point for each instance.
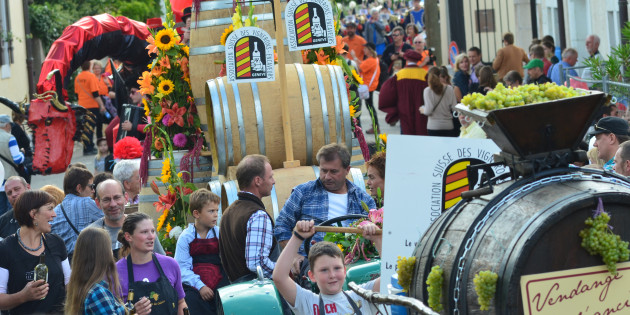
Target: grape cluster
{"type": "Point", "coordinates": [434, 282]}
{"type": "Point", "coordinates": [503, 97]}
{"type": "Point", "coordinates": [406, 266]}
{"type": "Point", "coordinates": [485, 286]}
{"type": "Point", "coordinates": [598, 239]}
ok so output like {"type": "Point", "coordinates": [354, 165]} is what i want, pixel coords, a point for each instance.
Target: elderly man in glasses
{"type": "Point", "coordinates": [428, 59]}
{"type": "Point", "coordinates": [78, 209]}
{"type": "Point", "coordinates": [609, 133]}
{"type": "Point", "coordinates": [127, 172]}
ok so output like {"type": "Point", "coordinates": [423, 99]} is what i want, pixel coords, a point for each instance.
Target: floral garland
{"type": "Point", "coordinates": [174, 125]}
{"type": "Point", "coordinates": [355, 246]}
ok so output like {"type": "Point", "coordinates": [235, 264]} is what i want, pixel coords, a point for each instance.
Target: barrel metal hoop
{"type": "Point", "coordinates": [322, 98]}
{"type": "Point", "coordinates": [239, 116]}
{"type": "Point", "coordinates": [307, 114]}
{"type": "Point", "coordinates": [259, 119]}
{"type": "Point", "coordinates": [357, 179]}
{"type": "Point", "coordinates": [228, 121]}
{"type": "Point", "coordinates": [228, 20]}
{"type": "Point", "coordinates": [335, 91]}
{"type": "Point", "coordinates": [215, 187]}
{"type": "Point", "coordinates": [316, 171]}
{"type": "Point", "coordinates": [218, 127]}
{"type": "Point", "coordinates": [206, 50]}
{"type": "Point", "coordinates": [200, 101]}
{"type": "Point", "coordinates": [274, 202]}
{"type": "Point", "coordinates": [148, 198]}
{"type": "Point", "coordinates": [345, 107]}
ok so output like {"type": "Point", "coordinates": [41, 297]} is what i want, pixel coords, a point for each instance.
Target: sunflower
{"type": "Point", "coordinates": [186, 49]}
{"type": "Point", "coordinates": [165, 39]}
{"type": "Point", "coordinates": [147, 110]}
{"type": "Point", "coordinates": [357, 77]}
{"type": "Point", "coordinates": [353, 111]}
{"type": "Point", "coordinates": [226, 33]}
{"type": "Point", "coordinates": [166, 87]}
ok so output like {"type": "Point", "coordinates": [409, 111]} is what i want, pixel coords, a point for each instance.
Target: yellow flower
{"type": "Point", "coordinates": [356, 76]}
{"type": "Point", "coordinates": [236, 19]}
{"type": "Point", "coordinates": [166, 39]}
{"type": "Point", "coordinates": [383, 137]}
{"type": "Point", "coordinates": [168, 227]}
{"type": "Point", "coordinates": [340, 247]}
{"type": "Point", "coordinates": [166, 171]}
{"type": "Point", "coordinates": [226, 33]}
{"type": "Point", "coordinates": [248, 22]}
{"type": "Point", "coordinates": [352, 111]}
{"type": "Point", "coordinates": [186, 49]}
{"type": "Point", "coordinates": [161, 219]}
{"type": "Point", "coordinates": [147, 110]}
{"type": "Point", "coordinates": [159, 116]}
{"type": "Point", "coordinates": [166, 87]}
{"type": "Point", "coordinates": [180, 174]}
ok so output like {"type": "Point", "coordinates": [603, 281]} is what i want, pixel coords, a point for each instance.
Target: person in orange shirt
{"type": "Point", "coordinates": [370, 72]}
{"type": "Point", "coordinates": [86, 88]}
{"type": "Point", "coordinates": [354, 41]}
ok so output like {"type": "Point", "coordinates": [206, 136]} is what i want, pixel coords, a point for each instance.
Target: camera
{"type": "Point", "coordinates": [431, 53]}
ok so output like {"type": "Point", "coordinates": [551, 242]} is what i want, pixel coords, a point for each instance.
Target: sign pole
{"type": "Point", "coordinates": [284, 99]}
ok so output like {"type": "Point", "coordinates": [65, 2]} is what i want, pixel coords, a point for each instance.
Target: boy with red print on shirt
{"type": "Point", "coordinates": [328, 271]}
{"type": "Point", "coordinates": [197, 254]}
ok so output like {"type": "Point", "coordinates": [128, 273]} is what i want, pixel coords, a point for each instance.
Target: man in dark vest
{"type": "Point", "coordinates": [246, 229]}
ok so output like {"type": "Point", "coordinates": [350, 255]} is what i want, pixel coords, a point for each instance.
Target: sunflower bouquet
{"type": "Point", "coordinates": [173, 125]}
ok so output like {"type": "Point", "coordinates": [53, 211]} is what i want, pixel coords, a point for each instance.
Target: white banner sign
{"type": "Point", "coordinates": [423, 177]}
{"type": "Point", "coordinates": [310, 24]}
{"type": "Point", "coordinates": [249, 56]}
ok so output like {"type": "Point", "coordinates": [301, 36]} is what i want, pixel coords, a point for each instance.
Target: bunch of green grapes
{"type": "Point", "coordinates": [434, 282]}
{"type": "Point", "coordinates": [485, 286]}
{"type": "Point", "coordinates": [406, 265]}
{"type": "Point", "coordinates": [503, 97]}
{"type": "Point", "coordinates": [598, 239]}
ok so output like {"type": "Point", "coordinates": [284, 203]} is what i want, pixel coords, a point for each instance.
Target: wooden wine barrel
{"type": "Point", "coordinates": [246, 118]}
{"type": "Point", "coordinates": [205, 44]}
{"type": "Point", "coordinates": [202, 174]}
{"type": "Point", "coordinates": [525, 227]}
{"type": "Point", "coordinates": [286, 180]}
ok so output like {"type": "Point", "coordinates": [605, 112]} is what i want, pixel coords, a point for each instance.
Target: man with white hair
{"type": "Point", "coordinates": [569, 59]}
{"type": "Point", "coordinates": [10, 156]}
{"type": "Point", "coordinates": [127, 172]}
{"type": "Point", "coordinates": [592, 46]}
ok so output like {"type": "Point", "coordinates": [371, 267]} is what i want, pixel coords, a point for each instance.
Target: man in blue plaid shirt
{"type": "Point", "coordinates": [329, 196]}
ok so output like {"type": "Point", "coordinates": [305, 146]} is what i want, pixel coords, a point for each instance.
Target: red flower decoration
{"type": "Point", "coordinates": [165, 202]}
{"type": "Point", "coordinates": [128, 148]}
{"type": "Point", "coordinates": [177, 114]}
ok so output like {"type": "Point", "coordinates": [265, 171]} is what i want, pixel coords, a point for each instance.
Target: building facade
{"type": "Point", "coordinates": [13, 73]}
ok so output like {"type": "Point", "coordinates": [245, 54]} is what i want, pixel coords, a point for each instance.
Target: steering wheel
{"type": "Point", "coordinates": [329, 222]}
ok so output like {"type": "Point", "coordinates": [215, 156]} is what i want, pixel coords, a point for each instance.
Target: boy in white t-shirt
{"type": "Point", "coordinates": [328, 271]}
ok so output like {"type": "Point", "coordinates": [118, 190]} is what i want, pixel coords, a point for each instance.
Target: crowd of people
{"type": "Point", "coordinates": [389, 44]}
{"type": "Point", "coordinates": [102, 260]}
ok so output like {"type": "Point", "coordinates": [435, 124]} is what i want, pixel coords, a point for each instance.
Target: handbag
{"type": "Point", "coordinates": [364, 90]}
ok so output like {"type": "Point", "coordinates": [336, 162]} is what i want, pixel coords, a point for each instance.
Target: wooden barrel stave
{"type": "Point", "coordinates": [516, 237]}
{"type": "Point", "coordinates": [258, 117]}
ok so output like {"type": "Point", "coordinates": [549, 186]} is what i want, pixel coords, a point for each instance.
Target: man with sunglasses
{"type": "Point", "coordinates": [78, 209]}
{"type": "Point", "coordinates": [394, 52]}
{"type": "Point", "coordinates": [609, 133]}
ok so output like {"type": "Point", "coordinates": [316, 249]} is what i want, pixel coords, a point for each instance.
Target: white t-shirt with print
{"type": "Point", "coordinates": [307, 302]}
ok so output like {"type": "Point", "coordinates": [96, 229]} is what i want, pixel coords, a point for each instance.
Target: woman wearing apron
{"type": "Point", "coordinates": [150, 275]}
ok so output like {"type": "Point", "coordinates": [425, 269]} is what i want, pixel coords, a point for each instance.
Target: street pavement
{"type": "Point", "coordinates": [38, 181]}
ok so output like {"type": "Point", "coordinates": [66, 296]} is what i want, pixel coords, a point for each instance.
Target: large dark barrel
{"type": "Point", "coordinates": [525, 227]}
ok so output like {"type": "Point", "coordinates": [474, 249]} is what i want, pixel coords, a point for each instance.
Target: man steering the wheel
{"type": "Point", "coordinates": [329, 196]}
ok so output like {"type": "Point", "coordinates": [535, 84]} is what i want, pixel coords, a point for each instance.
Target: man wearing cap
{"type": "Point", "coordinates": [401, 96]}
{"type": "Point", "coordinates": [354, 41]}
{"type": "Point", "coordinates": [535, 72]}
{"type": "Point", "coordinates": [10, 156]}
{"type": "Point", "coordinates": [609, 133]}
